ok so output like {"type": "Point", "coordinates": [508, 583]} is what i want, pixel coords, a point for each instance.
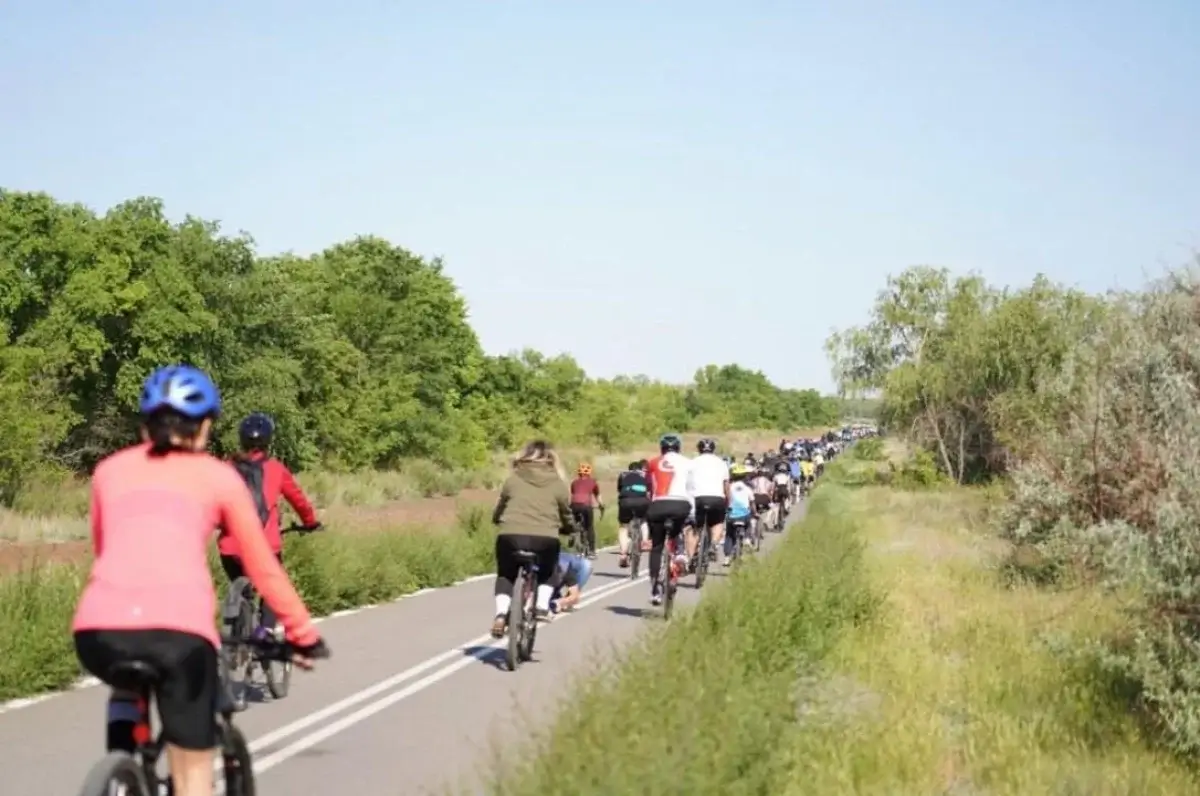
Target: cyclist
{"type": "Point", "coordinates": [534, 507]}
{"type": "Point", "coordinates": [571, 575]}
{"type": "Point", "coordinates": [818, 462]}
{"type": "Point", "coordinates": [633, 501]}
{"type": "Point", "coordinates": [268, 479]}
{"type": "Point", "coordinates": [795, 472]}
{"type": "Point", "coordinates": [741, 507]}
{"type": "Point", "coordinates": [149, 595]}
{"type": "Point", "coordinates": [710, 489]}
{"type": "Point", "coordinates": [782, 480]}
{"type": "Point", "coordinates": [760, 484]}
{"type": "Point", "coordinates": [669, 500]}
{"type": "Point", "coordinates": [585, 491]}
{"type": "Point", "coordinates": [807, 471]}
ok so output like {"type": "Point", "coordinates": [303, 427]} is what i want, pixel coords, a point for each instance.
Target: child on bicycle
{"type": "Point", "coordinates": [585, 499]}
{"type": "Point", "coordinates": [268, 479]}
{"type": "Point", "coordinates": [149, 596]}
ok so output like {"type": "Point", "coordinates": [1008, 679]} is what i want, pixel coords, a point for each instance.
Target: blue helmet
{"type": "Point", "coordinates": [183, 388]}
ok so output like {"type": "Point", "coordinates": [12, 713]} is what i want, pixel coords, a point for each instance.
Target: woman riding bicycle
{"type": "Point", "coordinates": [534, 508]}
{"type": "Point", "coordinates": [149, 595]}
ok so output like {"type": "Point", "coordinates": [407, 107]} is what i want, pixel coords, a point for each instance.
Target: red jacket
{"type": "Point", "coordinates": [278, 481]}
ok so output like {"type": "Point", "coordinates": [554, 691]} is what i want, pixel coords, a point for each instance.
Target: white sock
{"type": "Point", "coordinates": [544, 593]}
{"type": "Point", "coordinates": [503, 601]}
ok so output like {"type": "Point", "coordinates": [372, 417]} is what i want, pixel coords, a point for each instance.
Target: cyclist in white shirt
{"type": "Point", "coordinates": [710, 489]}
{"type": "Point", "coordinates": [669, 475]}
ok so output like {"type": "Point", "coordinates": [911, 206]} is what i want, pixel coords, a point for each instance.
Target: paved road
{"type": "Point", "coordinates": [416, 700]}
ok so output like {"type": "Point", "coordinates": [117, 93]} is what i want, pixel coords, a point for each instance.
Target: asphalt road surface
{"type": "Point", "coordinates": [416, 700]}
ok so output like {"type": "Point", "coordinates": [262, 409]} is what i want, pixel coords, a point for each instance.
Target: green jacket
{"type": "Point", "coordinates": [534, 501]}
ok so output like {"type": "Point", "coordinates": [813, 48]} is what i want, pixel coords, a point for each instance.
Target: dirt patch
{"type": "Point", "coordinates": [428, 512]}
{"type": "Point", "coordinates": [21, 556]}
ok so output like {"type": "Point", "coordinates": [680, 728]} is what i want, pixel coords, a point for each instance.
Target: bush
{"type": "Point", "coordinates": [752, 641]}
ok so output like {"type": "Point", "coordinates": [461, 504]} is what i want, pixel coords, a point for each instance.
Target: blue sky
{"type": "Point", "coordinates": [649, 186]}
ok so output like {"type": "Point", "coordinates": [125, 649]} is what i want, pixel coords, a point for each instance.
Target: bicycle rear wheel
{"type": "Point", "coordinates": [635, 548]}
{"type": "Point", "coordinates": [702, 551]}
{"type": "Point", "coordinates": [516, 620]}
{"type": "Point", "coordinates": [115, 768]}
{"type": "Point", "coordinates": [668, 589]}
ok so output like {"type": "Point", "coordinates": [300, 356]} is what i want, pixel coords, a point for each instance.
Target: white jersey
{"type": "Point", "coordinates": [670, 475]}
{"type": "Point", "coordinates": [709, 474]}
{"type": "Point", "coordinates": [818, 459]}
{"type": "Point", "coordinates": [782, 479]}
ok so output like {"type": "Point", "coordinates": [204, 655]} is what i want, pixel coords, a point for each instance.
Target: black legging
{"type": "Point", "coordinates": [507, 566]}
{"type": "Point", "coordinates": [234, 570]}
{"type": "Point", "coordinates": [585, 515]}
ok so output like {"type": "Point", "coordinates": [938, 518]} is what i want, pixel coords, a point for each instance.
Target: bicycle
{"type": "Point", "coordinates": [637, 532]}
{"type": "Point", "coordinates": [738, 529]}
{"type": "Point", "coordinates": [580, 540]}
{"type": "Point", "coordinates": [241, 614]}
{"type": "Point", "coordinates": [703, 550]}
{"type": "Point", "coordinates": [522, 613]}
{"type": "Point", "coordinates": [666, 571]}
{"type": "Point", "coordinates": [137, 773]}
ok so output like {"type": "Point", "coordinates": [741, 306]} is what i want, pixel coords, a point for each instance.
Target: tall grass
{"type": "Point", "coordinates": [964, 684]}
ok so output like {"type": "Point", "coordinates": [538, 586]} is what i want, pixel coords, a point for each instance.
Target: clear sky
{"type": "Point", "coordinates": [649, 186]}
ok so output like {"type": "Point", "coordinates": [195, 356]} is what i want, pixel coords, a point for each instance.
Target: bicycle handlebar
{"type": "Point", "coordinates": [277, 650]}
{"type": "Point", "coordinates": [297, 528]}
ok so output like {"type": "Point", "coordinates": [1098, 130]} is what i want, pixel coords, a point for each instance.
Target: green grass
{"type": "Point", "coordinates": [700, 707]}
{"type": "Point", "coordinates": [332, 571]}
{"type": "Point", "coordinates": [962, 683]}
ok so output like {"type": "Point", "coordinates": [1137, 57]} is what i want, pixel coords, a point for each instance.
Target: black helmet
{"type": "Point", "coordinates": [707, 445]}
{"type": "Point", "coordinates": [256, 431]}
{"type": "Point", "coordinates": [670, 442]}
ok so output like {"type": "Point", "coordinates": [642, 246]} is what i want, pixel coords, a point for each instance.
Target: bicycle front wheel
{"type": "Point", "coordinates": [115, 769]}
{"type": "Point", "coordinates": [237, 765]}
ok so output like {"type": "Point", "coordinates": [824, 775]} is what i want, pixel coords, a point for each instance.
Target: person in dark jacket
{"type": "Point", "coordinates": [533, 509]}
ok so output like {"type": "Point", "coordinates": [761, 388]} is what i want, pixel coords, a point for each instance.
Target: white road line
{"type": "Point", "coordinates": [272, 760]}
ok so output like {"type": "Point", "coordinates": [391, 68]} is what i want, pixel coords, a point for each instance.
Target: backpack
{"type": "Point", "coordinates": [252, 473]}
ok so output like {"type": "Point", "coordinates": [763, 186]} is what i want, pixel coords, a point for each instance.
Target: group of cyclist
{"type": "Point", "coordinates": [709, 491]}
{"type": "Point", "coordinates": [155, 506]}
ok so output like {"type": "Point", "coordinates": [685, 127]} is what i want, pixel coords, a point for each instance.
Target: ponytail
{"type": "Point", "coordinates": [170, 431]}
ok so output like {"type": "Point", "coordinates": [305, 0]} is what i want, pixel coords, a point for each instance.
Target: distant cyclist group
{"type": "Point", "coordinates": [144, 623]}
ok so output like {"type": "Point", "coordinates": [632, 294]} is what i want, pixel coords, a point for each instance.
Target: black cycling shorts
{"type": "Point", "coordinates": [762, 502]}
{"type": "Point", "coordinates": [188, 687]}
{"type": "Point", "coordinates": [782, 492]}
{"type": "Point", "coordinates": [632, 508]}
{"type": "Point", "coordinates": [710, 511]}
{"type": "Point", "coordinates": [660, 511]}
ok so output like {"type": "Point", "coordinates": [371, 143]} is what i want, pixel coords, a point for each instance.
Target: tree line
{"type": "Point", "coordinates": [1086, 410]}
{"type": "Point", "coordinates": [362, 352]}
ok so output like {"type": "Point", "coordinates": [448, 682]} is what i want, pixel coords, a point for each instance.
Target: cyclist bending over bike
{"type": "Point", "coordinates": [268, 479]}
{"type": "Point", "coordinates": [584, 492]}
{"type": "Point", "coordinates": [633, 501]}
{"type": "Point", "coordinates": [669, 476]}
{"type": "Point", "coordinates": [534, 507]}
{"type": "Point", "coordinates": [571, 575]}
{"type": "Point", "coordinates": [149, 595]}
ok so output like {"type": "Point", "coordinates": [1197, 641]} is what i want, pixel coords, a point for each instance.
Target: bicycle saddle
{"type": "Point", "coordinates": [133, 675]}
